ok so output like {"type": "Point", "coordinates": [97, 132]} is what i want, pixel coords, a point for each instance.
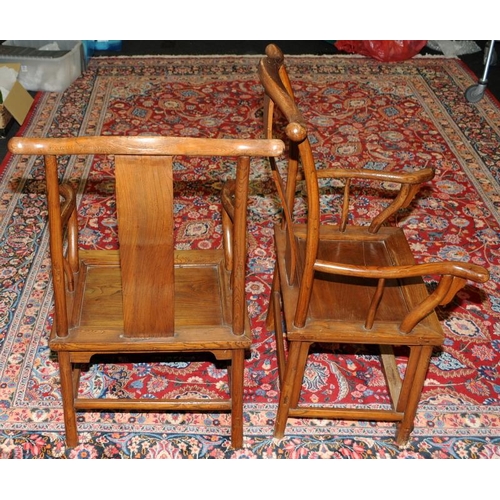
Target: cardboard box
{"type": "Point", "coordinates": [18, 100]}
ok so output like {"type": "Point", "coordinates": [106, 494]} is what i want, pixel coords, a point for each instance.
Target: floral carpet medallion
{"type": "Point", "coordinates": [362, 114]}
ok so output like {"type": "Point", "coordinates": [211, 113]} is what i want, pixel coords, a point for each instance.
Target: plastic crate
{"type": "Point", "coordinates": [47, 70]}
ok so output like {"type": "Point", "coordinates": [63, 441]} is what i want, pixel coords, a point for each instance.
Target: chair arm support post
{"type": "Point", "coordinates": [56, 244]}
{"type": "Point", "coordinates": [239, 244]}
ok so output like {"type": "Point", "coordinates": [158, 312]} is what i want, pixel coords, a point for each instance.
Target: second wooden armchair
{"type": "Point", "coordinates": [352, 284]}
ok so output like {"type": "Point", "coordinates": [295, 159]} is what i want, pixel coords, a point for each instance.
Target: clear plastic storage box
{"type": "Point", "coordinates": [48, 65]}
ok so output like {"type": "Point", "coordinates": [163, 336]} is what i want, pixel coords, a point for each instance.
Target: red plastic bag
{"type": "Point", "coordinates": [382, 50]}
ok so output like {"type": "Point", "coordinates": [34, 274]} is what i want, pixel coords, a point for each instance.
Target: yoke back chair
{"type": "Point", "coordinates": [349, 283]}
{"type": "Point", "coordinates": [141, 298]}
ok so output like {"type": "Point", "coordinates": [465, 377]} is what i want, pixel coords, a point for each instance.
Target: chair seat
{"type": "Point", "coordinates": [338, 304]}
{"type": "Point", "coordinates": [202, 297]}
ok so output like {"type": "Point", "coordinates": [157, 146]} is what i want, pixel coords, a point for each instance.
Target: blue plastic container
{"type": "Point", "coordinates": [108, 45]}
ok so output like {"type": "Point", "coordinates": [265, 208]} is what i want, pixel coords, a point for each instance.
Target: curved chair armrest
{"type": "Point", "coordinates": [453, 277]}
{"type": "Point", "coordinates": [417, 177]}
{"type": "Point", "coordinates": [462, 270]}
{"type": "Point", "coordinates": [409, 182]}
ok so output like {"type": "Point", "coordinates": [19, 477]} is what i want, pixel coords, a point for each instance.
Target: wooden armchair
{"type": "Point", "coordinates": [141, 298]}
{"type": "Point", "coordinates": [344, 283]}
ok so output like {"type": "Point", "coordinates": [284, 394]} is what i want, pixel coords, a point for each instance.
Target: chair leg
{"type": "Point", "coordinates": [418, 365]}
{"type": "Point", "coordinates": [67, 391]}
{"type": "Point", "coordinates": [279, 339]}
{"type": "Point", "coordinates": [292, 384]}
{"type": "Point", "coordinates": [409, 377]}
{"type": "Point", "coordinates": [236, 381]}
{"type": "Point", "coordinates": [275, 287]}
{"type": "Point", "coordinates": [299, 374]}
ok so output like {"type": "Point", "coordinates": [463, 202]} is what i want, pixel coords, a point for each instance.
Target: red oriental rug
{"type": "Point", "coordinates": [383, 116]}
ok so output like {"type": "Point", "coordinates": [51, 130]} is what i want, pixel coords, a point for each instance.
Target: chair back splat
{"type": "Point", "coordinates": [141, 298]}
{"type": "Point", "coordinates": [349, 282]}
